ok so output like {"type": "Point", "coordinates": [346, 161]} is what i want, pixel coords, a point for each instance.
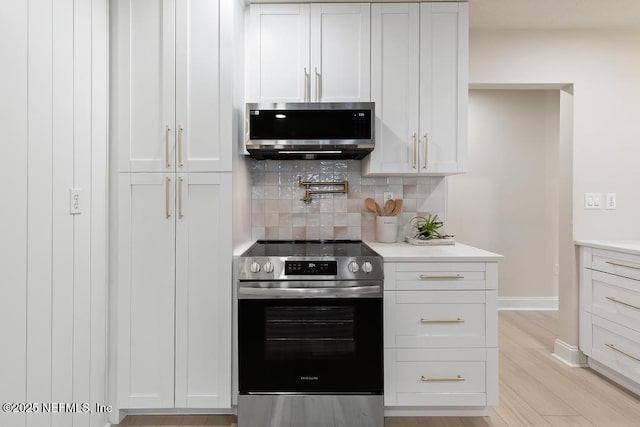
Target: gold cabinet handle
{"type": "Point", "coordinates": [180, 197]}
{"type": "Point", "coordinates": [441, 276]}
{"type": "Point", "coordinates": [306, 86]}
{"type": "Point", "coordinates": [415, 151]}
{"type": "Point", "coordinates": [457, 320]}
{"type": "Point", "coordinates": [426, 150]}
{"type": "Point", "coordinates": [167, 194]}
{"type": "Point", "coordinates": [618, 264]}
{"type": "Point", "coordinates": [617, 301]}
{"type": "Point", "coordinates": [441, 379]}
{"type": "Point", "coordinates": [167, 129]}
{"type": "Point", "coordinates": [317, 85]}
{"type": "Point", "coordinates": [630, 356]}
{"type": "Point", "coordinates": [180, 129]}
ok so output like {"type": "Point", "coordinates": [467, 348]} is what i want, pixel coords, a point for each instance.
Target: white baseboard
{"type": "Point", "coordinates": [614, 376]}
{"type": "Point", "coordinates": [528, 303]}
{"type": "Point", "coordinates": [569, 354]}
{"type": "Point", "coordinates": [436, 411]}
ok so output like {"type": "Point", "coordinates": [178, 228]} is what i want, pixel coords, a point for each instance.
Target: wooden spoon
{"type": "Point", "coordinates": [389, 206]}
{"type": "Point", "coordinates": [397, 208]}
{"type": "Point", "coordinates": [372, 206]}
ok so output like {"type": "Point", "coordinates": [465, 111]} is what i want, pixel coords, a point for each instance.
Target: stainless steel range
{"type": "Point", "coordinates": [310, 335]}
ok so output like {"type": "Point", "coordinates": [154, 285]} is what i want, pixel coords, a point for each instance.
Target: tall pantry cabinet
{"type": "Point", "coordinates": [171, 192]}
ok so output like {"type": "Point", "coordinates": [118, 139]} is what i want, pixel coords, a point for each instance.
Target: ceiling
{"type": "Point", "coordinates": [554, 14]}
{"type": "Point", "coordinates": [536, 14]}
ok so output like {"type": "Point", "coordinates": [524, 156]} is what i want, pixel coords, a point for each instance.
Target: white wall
{"type": "Point", "coordinates": [604, 68]}
{"type": "Point", "coordinates": [54, 120]}
{"type": "Point", "coordinates": [508, 201]}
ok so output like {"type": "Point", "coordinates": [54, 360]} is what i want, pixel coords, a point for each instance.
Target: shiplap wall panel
{"type": "Point", "coordinates": [13, 227]}
{"type": "Point", "coordinates": [99, 166]}
{"type": "Point", "coordinates": [39, 214]}
{"type": "Point", "coordinates": [53, 115]}
{"type": "Point", "coordinates": [82, 222]}
{"type": "Point", "coordinates": [62, 180]}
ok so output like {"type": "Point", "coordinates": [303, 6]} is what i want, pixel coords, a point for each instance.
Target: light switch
{"type": "Point", "coordinates": [593, 200]}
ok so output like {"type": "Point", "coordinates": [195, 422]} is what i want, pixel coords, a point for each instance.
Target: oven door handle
{"type": "Point", "coordinates": [250, 292]}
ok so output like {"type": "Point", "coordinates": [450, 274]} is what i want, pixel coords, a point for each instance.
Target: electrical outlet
{"type": "Point", "coordinates": [388, 195]}
{"type": "Point", "coordinates": [593, 200]}
{"type": "Point", "coordinates": [75, 201]}
{"type": "Point", "coordinates": [611, 202]}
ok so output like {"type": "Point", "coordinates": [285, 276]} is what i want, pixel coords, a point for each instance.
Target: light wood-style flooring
{"type": "Point", "coordinates": [535, 388]}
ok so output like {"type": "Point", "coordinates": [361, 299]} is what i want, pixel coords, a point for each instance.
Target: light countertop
{"type": "Point", "coordinates": [627, 246]}
{"type": "Point", "coordinates": [399, 252]}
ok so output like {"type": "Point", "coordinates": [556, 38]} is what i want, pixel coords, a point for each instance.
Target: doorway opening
{"type": "Point", "coordinates": [516, 198]}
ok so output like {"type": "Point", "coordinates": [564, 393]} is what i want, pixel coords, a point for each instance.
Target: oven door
{"type": "Point", "coordinates": [310, 345]}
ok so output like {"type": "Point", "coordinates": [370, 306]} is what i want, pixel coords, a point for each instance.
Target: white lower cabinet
{"type": "Point", "coordinates": [610, 313]}
{"type": "Point", "coordinates": [438, 377]}
{"type": "Point", "coordinates": [440, 336]}
{"type": "Point", "coordinates": [174, 291]}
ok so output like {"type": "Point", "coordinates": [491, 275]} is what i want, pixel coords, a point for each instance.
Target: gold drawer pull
{"type": "Point", "coordinates": [614, 348]}
{"type": "Point", "coordinates": [458, 320]}
{"type": "Point", "coordinates": [441, 379]}
{"type": "Point", "coordinates": [180, 180]}
{"type": "Point", "coordinates": [166, 197]}
{"type": "Point", "coordinates": [618, 264]}
{"type": "Point", "coordinates": [623, 303]}
{"type": "Point", "coordinates": [180, 129]}
{"type": "Point", "coordinates": [415, 150]}
{"type": "Point", "coordinates": [440, 276]}
{"type": "Point", "coordinates": [167, 129]}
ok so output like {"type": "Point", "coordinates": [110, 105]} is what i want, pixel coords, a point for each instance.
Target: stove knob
{"type": "Point", "coordinates": [268, 267]}
{"type": "Point", "coordinates": [254, 267]}
{"type": "Point", "coordinates": [353, 267]}
{"type": "Point", "coordinates": [367, 267]}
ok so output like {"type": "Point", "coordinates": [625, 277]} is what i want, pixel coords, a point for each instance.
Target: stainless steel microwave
{"type": "Point", "coordinates": [310, 130]}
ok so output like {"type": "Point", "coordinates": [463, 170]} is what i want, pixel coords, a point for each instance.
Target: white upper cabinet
{"type": "Point", "coordinates": [166, 108]}
{"type": "Point", "coordinates": [419, 85]}
{"type": "Point", "coordinates": [395, 87]}
{"type": "Point", "coordinates": [278, 53]}
{"type": "Point", "coordinates": [340, 52]}
{"type": "Point", "coordinates": [444, 86]}
{"type": "Point", "coordinates": [308, 53]}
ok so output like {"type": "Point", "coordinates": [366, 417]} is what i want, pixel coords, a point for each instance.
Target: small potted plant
{"type": "Point", "coordinates": [425, 229]}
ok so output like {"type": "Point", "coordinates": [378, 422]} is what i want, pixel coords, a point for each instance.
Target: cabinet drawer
{"type": "Point", "coordinates": [616, 347]}
{"type": "Point", "coordinates": [436, 377]}
{"type": "Point", "coordinates": [625, 265]}
{"type": "Point", "coordinates": [440, 276]}
{"type": "Point", "coordinates": [616, 299]}
{"type": "Point", "coordinates": [435, 319]}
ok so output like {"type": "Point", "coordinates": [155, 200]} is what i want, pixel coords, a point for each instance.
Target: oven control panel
{"type": "Point", "coordinates": [310, 268]}
{"type": "Point", "coordinates": [275, 268]}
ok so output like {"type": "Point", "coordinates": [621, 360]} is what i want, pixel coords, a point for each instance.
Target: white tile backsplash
{"type": "Point", "coordinates": [278, 213]}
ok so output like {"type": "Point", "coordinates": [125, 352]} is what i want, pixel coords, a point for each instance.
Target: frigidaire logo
{"type": "Point", "coordinates": [309, 378]}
